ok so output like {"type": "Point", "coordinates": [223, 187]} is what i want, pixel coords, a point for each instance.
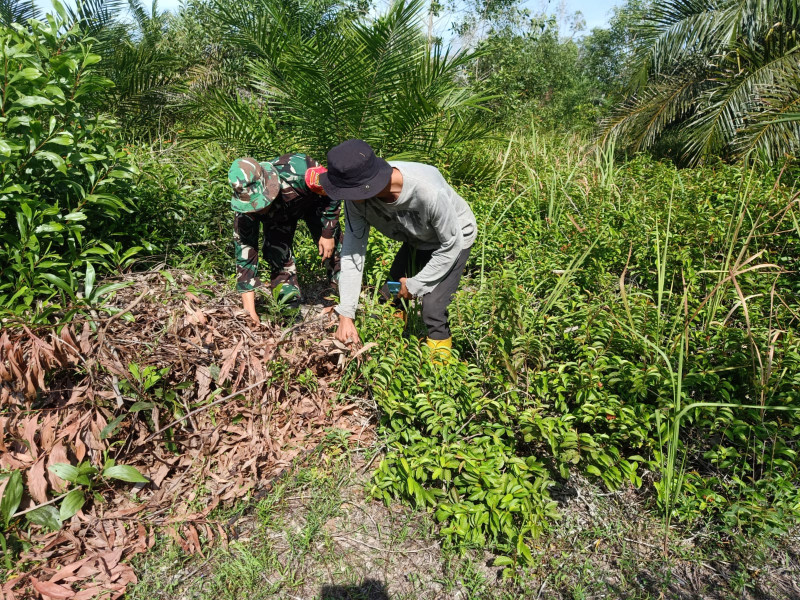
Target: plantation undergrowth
{"type": "Point", "coordinates": [621, 320]}
{"type": "Point", "coordinates": [604, 299]}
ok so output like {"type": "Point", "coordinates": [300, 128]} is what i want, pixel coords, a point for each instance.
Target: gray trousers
{"type": "Point", "coordinates": [408, 262]}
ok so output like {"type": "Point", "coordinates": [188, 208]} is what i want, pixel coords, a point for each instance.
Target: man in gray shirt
{"type": "Point", "coordinates": [409, 202]}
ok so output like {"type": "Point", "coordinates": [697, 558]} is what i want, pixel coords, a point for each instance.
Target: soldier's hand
{"type": "Point", "coordinates": [326, 247]}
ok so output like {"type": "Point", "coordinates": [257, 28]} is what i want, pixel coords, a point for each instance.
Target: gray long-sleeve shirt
{"type": "Point", "coordinates": [429, 215]}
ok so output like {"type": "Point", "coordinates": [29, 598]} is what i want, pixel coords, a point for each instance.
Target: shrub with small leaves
{"type": "Point", "coordinates": [63, 171]}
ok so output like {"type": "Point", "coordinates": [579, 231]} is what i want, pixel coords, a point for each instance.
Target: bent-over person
{"type": "Point", "coordinates": [412, 203]}
{"type": "Point", "coordinates": [275, 195]}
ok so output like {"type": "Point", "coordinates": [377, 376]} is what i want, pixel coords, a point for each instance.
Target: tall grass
{"type": "Point", "coordinates": [701, 282]}
{"type": "Point", "coordinates": [589, 347]}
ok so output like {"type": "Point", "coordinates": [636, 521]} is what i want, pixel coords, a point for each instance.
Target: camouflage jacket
{"type": "Point", "coordinates": [291, 169]}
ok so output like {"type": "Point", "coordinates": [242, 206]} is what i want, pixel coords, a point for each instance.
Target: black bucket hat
{"type": "Point", "coordinates": [354, 172]}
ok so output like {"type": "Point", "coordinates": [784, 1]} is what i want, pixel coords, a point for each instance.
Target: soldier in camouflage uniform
{"type": "Point", "coordinates": [278, 193]}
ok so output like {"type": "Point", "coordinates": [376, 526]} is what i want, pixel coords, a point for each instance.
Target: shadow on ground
{"type": "Point", "coordinates": [370, 589]}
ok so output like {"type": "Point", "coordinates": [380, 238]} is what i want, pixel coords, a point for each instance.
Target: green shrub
{"type": "Point", "coordinates": [63, 171]}
{"type": "Point", "coordinates": [597, 305]}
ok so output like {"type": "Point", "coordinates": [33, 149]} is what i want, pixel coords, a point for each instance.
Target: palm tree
{"type": "Point", "coordinates": [135, 55]}
{"type": "Point", "coordinates": [315, 78]}
{"type": "Point", "coordinates": [721, 77]}
{"type": "Point", "coordinates": [145, 70]}
{"type": "Point", "coordinates": [17, 11]}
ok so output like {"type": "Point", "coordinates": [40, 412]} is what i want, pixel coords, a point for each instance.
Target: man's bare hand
{"type": "Point", "coordinates": [346, 333]}
{"type": "Point", "coordinates": [404, 293]}
{"type": "Point", "coordinates": [326, 247]}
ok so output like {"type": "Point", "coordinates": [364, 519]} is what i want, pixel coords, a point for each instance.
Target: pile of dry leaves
{"type": "Point", "coordinates": [247, 401]}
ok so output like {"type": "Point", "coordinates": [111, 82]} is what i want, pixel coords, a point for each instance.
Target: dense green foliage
{"type": "Point", "coordinates": [537, 73]}
{"type": "Point", "coordinates": [64, 172]}
{"type": "Point", "coordinates": [630, 293]}
{"type": "Point", "coordinates": [715, 79]}
{"type": "Point", "coordinates": [17, 11]}
{"type": "Point", "coordinates": [628, 321]}
{"type": "Point", "coordinates": [311, 87]}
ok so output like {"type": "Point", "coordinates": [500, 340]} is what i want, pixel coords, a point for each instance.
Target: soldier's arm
{"type": "Point", "coordinates": [245, 242]}
{"type": "Point", "coordinates": [330, 216]}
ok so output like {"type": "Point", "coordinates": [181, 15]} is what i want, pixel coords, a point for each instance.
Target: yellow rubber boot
{"type": "Point", "coordinates": [440, 350]}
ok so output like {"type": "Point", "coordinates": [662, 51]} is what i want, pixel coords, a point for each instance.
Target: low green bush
{"type": "Point", "coordinates": [64, 173]}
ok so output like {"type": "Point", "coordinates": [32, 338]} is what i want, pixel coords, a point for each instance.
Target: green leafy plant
{"type": "Point", "coordinates": [84, 477]}
{"type": "Point", "coordinates": [314, 85]}
{"type": "Point", "coordinates": [61, 167]}
{"type": "Point", "coordinates": [618, 330]}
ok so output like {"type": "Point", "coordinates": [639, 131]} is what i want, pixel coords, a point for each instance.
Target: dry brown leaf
{"type": "Point", "coordinates": [86, 338]}
{"type": "Point", "coordinates": [36, 367]}
{"type": "Point", "coordinates": [31, 427]}
{"type": "Point", "coordinates": [16, 364]}
{"type": "Point", "coordinates": [90, 592]}
{"type": "Point", "coordinates": [47, 432]}
{"type": "Point", "coordinates": [229, 358]}
{"type": "Point", "coordinates": [141, 539]}
{"type": "Point", "coordinates": [193, 539]}
{"type": "Point", "coordinates": [68, 570]}
{"type": "Point", "coordinates": [37, 481]}
{"type": "Point", "coordinates": [111, 559]}
{"type": "Point", "coordinates": [365, 348]}
{"type": "Point", "coordinates": [96, 427]}
{"type": "Point", "coordinates": [58, 454]}
{"type": "Point", "coordinates": [7, 595]}
{"type": "Point", "coordinates": [158, 477]}
{"type": "Point", "coordinates": [80, 449]}
{"type": "Point", "coordinates": [203, 378]}
{"type": "Point", "coordinates": [52, 590]}
{"type": "Point", "coordinates": [173, 533]}
{"type": "Point", "coordinates": [124, 575]}
{"type": "Point", "coordinates": [126, 512]}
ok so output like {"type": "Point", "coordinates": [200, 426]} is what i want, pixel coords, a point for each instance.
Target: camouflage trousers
{"type": "Point", "coordinates": [279, 231]}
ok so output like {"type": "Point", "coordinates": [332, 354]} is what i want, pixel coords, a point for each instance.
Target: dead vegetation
{"type": "Point", "coordinates": [176, 384]}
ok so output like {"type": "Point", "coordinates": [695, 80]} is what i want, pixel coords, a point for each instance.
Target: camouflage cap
{"type": "Point", "coordinates": [255, 185]}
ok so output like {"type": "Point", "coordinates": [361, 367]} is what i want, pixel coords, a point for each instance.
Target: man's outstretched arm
{"type": "Point", "coordinates": [354, 248]}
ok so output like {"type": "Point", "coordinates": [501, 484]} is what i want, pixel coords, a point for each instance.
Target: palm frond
{"type": "Point", "coordinates": [237, 122]}
{"type": "Point", "coordinates": [773, 131]}
{"type": "Point", "coordinates": [726, 108]}
{"type": "Point", "coordinates": [376, 79]}
{"type": "Point", "coordinates": [643, 118]}
{"type": "Point", "coordinates": [718, 73]}
{"type": "Point", "coordinates": [18, 11]}
{"type": "Point", "coordinates": [97, 18]}
{"type": "Point", "coordinates": [679, 30]}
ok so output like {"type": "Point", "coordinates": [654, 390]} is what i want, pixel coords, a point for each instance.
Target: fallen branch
{"type": "Point", "coordinates": [127, 309]}
{"type": "Point", "coordinates": [642, 543]}
{"type": "Point", "coordinates": [38, 506]}
{"type": "Point", "coordinates": [352, 541]}
{"type": "Point", "coordinates": [372, 460]}
{"type": "Point", "coordinates": [206, 407]}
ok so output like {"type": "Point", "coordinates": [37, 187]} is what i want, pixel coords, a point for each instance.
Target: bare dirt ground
{"type": "Point", "coordinates": [320, 536]}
